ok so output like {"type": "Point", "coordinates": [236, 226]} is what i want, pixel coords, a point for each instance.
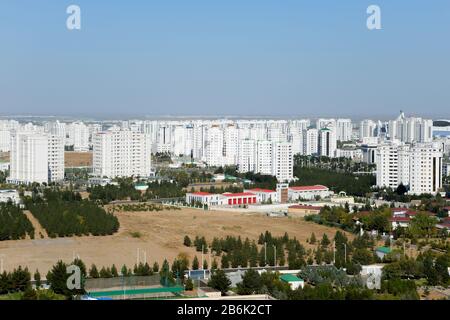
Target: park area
{"type": "Point", "coordinates": [156, 235]}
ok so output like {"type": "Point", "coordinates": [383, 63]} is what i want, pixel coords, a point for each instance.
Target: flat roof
{"type": "Point", "coordinates": [309, 188]}
{"type": "Point", "coordinates": [290, 278]}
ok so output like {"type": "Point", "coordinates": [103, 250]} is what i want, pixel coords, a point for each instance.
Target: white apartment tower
{"type": "Point", "coordinates": [231, 144]}
{"type": "Point", "coordinates": [247, 156]}
{"type": "Point", "coordinates": [121, 153]}
{"type": "Point", "coordinates": [344, 129]}
{"type": "Point", "coordinates": [55, 158]}
{"type": "Point", "coordinates": [214, 146]}
{"type": "Point", "coordinates": [367, 129]}
{"type": "Point", "coordinates": [5, 140]}
{"type": "Point", "coordinates": [418, 166]}
{"type": "Point", "coordinates": [311, 142]}
{"type": "Point", "coordinates": [264, 157]}
{"type": "Point", "coordinates": [282, 161]}
{"type": "Point", "coordinates": [426, 168]}
{"type": "Point", "coordinates": [29, 158]}
{"type": "Point", "coordinates": [77, 136]}
{"type": "Point", "coordinates": [327, 142]}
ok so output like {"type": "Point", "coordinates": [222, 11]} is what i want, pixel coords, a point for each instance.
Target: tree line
{"type": "Point", "coordinates": [13, 223]}
{"type": "Point", "coordinates": [62, 219]}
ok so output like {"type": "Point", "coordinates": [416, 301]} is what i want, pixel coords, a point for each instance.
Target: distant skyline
{"type": "Point", "coordinates": [265, 58]}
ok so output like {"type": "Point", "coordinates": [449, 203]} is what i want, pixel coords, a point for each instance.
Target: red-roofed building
{"type": "Point", "coordinates": [308, 192]}
{"type": "Point", "coordinates": [401, 217]}
{"type": "Point", "coordinates": [263, 195]}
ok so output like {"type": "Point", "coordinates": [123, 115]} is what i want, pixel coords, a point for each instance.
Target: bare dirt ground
{"type": "Point", "coordinates": [39, 231]}
{"type": "Point", "coordinates": [161, 236]}
{"type": "Point", "coordinates": [77, 159]}
{"type": "Point", "coordinates": [4, 156]}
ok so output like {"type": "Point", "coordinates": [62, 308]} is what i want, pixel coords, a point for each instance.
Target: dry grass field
{"type": "Point", "coordinates": [77, 159]}
{"type": "Point", "coordinates": [160, 236]}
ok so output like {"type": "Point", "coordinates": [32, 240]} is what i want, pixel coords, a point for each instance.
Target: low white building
{"type": "Point", "coordinates": [294, 281]}
{"type": "Point", "coordinates": [207, 198]}
{"type": "Point", "coordinates": [264, 195]}
{"type": "Point", "coordinates": [308, 192]}
{"type": "Point", "coordinates": [9, 195]}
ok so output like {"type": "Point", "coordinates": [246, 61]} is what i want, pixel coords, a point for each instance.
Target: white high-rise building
{"type": "Point", "coordinates": [5, 140]}
{"type": "Point", "coordinates": [327, 142]}
{"type": "Point", "coordinates": [178, 140]}
{"type": "Point", "coordinates": [164, 139]}
{"type": "Point", "coordinates": [311, 142]}
{"type": "Point", "coordinates": [231, 145]}
{"type": "Point", "coordinates": [344, 129]}
{"type": "Point", "coordinates": [296, 139]}
{"type": "Point", "coordinates": [55, 158]}
{"type": "Point", "coordinates": [247, 156]}
{"type": "Point", "coordinates": [367, 129]}
{"type": "Point", "coordinates": [426, 168]}
{"type": "Point", "coordinates": [29, 158]}
{"type": "Point", "coordinates": [214, 146]}
{"type": "Point", "coordinates": [77, 136]}
{"type": "Point", "coordinates": [325, 123]}
{"type": "Point", "coordinates": [282, 161]}
{"type": "Point", "coordinates": [410, 129]}
{"type": "Point", "coordinates": [121, 153]}
{"type": "Point", "coordinates": [417, 166]}
{"type": "Point", "coordinates": [264, 157]}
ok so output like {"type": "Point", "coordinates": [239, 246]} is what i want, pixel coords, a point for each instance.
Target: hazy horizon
{"type": "Point", "coordinates": [230, 58]}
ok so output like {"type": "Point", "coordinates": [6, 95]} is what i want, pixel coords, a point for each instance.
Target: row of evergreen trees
{"type": "Point", "coordinates": [13, 223]}
{"type": "Point", "coordinates": [63, 218]}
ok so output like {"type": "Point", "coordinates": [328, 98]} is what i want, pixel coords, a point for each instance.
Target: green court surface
{"type": "Point", "coordinates": [132, 292]}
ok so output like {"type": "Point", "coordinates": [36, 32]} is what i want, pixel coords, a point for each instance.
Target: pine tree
{"type": "Point", "coordinates": [205, 265]}
{"type": "Point", "coordinates": [195, 263]}
{"type": "Point", "coordinates": [156, 267]}
{"type": "Point", "coordinates": [219, 281]}
{"type": "Point", "coordinates": [124, 271]}
{"type": "Point", "coordinates": [313, 239]}
{"type": "Point", "coordinates": [93, 273]}
{"type": "Point", "coordinates": [187, 241]}
{"type": "Point", "coordinates": [214, 265]}
{"type": "Point", "coordinates": [189, 285]}
{"type": "Point", "coordinates": [37, 279]}
{"type": "Point", "coordinates": [114, 272]}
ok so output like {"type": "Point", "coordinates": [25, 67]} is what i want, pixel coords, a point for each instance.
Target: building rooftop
{"type": "Point", "coordinates": [309, 188]}
{"type": "Point", "coordinates": [241, 194]}
{"type": "Point", "coordinates": [201, 193]}
{"type": "Point", "coordinates": [384, 249]}
{"type": "Point", "coordinates": [290, 278]}
{"type": "Point", "coordinates": [261, 190]}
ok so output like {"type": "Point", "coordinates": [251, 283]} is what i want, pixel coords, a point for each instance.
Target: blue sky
{"type": "Point", "coordinates": [233, 57]}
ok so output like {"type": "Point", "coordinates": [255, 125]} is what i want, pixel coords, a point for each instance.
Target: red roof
{"type": "Point", "coordinates": [242, 194]}
{"type": "Point", "coordinates": [309, 188]}
{"type": "Point", "coordinates": [201, 193]}
{"type": "Point", "coordinates": [444, 225]}
{"type": "Point", "coordinates": [261, 190]}
{"type": "Point", "coordinates": [299, 206]}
